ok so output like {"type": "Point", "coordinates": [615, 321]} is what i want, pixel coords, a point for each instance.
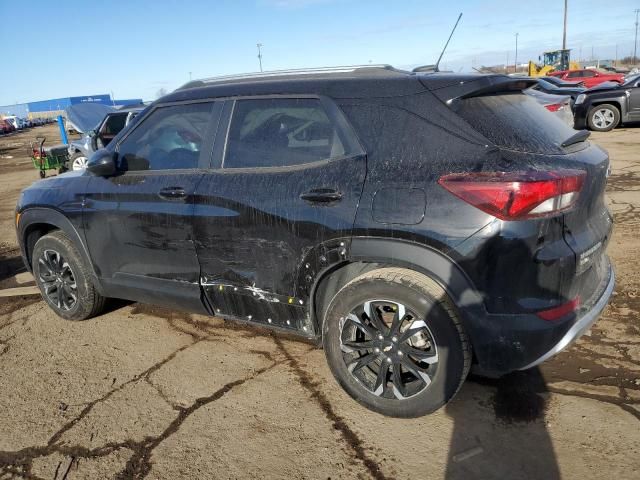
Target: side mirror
{"type": "Point", "coordinates": [102, 163]}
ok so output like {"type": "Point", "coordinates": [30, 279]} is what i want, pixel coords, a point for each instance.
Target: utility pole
{"type": "Point", "coordinates": [259, 45]}
{"type": "Point", "coordinates": [515, 63]}
{"type": "Point", "coordinates": [635, 44]}
{"type": "Point", "coordinates": [564, 31]}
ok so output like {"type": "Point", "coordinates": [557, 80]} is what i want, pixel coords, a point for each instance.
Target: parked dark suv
{"type": "Point", "coordinates": [417, 224]}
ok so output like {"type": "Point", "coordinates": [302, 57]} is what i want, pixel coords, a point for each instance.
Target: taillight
{"type": "Point", "coordinates": [554, 107]}
{"type": "Point", "coordinates": [560, 311]}
{"type": "Point", "coordinates": [517, 195]}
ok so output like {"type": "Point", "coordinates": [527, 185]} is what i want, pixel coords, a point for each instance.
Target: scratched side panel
{"type": "Point", "coordinates": [255, 236]}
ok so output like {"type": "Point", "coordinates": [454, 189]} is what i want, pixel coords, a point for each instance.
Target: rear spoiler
{"type": "Point", "coordinates": [448, 88]}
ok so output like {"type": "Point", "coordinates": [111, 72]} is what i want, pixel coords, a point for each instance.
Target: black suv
{"type": "Point", "coordinates": [604, 107]}
{"type": "Point", "coordinates": [417, 224]}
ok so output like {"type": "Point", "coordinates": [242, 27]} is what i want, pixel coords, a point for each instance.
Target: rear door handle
{"type": "Point", "coordinates": [172, 193]}
{"type": "Point", "coordinates": [321, 195]}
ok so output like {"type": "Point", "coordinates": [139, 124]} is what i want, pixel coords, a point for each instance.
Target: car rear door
{"type": "Point", "coordinates": [138, 222]}
{"type": "Point", "coordinates": [277, 206]}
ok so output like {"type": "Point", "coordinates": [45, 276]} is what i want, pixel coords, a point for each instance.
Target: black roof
{"type": "Point", "coordinates": [335, 82]}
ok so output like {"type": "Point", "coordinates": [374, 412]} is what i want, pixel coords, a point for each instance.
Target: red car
{"type": "Point", "coordinates": [6, 127]}
{"type": "Point", "coordinates": [590, 78]}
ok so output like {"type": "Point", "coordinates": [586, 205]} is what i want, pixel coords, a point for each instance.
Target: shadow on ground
{"type": "Point", "coordinates": [504, 436]}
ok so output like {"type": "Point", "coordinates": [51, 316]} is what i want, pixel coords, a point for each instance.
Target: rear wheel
{"type": "Point", "coordinates": [393, 340]}
{"type": "Point", "coordinates": [603, 118]}
{"type": "Point", "coordinates": [63, 278]}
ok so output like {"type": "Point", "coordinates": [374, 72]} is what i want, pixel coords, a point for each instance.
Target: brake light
{"type": "Point", "coordinates": [517, 195]}
{"type": "Point", "coordinates": [560, 311]}
{"type": "Point", "coordinates": [554, 107]}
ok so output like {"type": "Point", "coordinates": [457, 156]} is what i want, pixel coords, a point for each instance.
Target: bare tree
{"type": "Point", "coordinates": [161, 93]}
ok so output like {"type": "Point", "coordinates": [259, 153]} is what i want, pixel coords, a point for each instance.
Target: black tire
{"type": "Point", "coordinates": [417, 293]}
{"type": "Point", "coordinates": [598, 123]}
{"type": "Point", "coordinates": [62, 254]}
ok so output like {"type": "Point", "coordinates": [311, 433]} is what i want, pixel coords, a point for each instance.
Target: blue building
{"type": "Point", "coordinates": [56, 106]}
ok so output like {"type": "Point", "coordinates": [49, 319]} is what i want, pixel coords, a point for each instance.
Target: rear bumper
{"type": "Point", "coordinates": [505, 343]}
{"type": "Point", "coordinates": [581, 325]}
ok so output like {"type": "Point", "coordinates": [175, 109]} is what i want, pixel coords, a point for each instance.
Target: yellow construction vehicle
{"type": "Point", "coordinates": [551, 61]}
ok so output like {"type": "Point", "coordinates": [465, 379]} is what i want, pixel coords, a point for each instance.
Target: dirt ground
{"type": "Point", "coordinates": [147, 392]}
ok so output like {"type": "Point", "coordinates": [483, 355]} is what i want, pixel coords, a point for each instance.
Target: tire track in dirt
{"type": "Point", "coordinates": [350, 437]}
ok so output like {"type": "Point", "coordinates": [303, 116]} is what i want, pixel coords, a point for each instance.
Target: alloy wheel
{"type": "Point", "coordinates": [603, 118]}
{"type": "Point", "coordinates": [388, 349]}
{"type": "Point", "coordinates": [57, 279]}
{"type": "Point", "coordinates": [79, 163]}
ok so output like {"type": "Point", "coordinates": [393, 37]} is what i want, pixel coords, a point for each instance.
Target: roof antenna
{"type": "Point", "coordinates": [435, 68]}
{"type": "Point", "coordinates": [447, 44]}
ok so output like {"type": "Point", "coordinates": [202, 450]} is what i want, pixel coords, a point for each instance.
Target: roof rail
{"type": "Point", "coordinates": [279, 73]}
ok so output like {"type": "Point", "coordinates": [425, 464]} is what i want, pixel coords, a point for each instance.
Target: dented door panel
{"type": "Point", "coordinates": [255, 237]}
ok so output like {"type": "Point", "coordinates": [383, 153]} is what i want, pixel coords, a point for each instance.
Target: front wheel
{"type": "Point", "coordinates": [394, 342]}
{"type": "Point", "coordinates": [603, 118]}
{"type": "Point", "coordinates": [64, 279]}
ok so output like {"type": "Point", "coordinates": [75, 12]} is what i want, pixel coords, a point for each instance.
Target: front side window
{"type": "Point", "coordinates": [169, 138]}
{"type": "Point", "coordinates": [574, 74]}
{"type": "Point", "coordinates": [280, 133]}
{"type": "Point", "coordinates": [588, 73]}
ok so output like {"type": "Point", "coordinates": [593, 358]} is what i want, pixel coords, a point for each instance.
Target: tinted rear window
{"type": "Point", "coordinates": [516, 122]}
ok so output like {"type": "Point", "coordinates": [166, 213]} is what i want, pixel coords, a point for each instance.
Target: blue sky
{"type": "Point", "coordinates": [134, 48]}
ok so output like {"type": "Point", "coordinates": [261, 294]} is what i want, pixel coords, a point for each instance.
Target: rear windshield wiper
{"type": "Point", "coordinates": [579, 136]}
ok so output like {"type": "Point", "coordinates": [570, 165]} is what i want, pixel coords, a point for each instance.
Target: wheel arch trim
{"type": "Point", "coordinates": [423, 259]}
{"type": "Point", "coordinates": [49, 216]}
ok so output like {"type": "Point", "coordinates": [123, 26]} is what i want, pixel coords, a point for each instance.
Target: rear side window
{"type": "Point", "coordinates": [169, 138]}
{"type": "Point", "coordinates": [516, 122]}
{"type": "Point", "coordinates": [280, 133]}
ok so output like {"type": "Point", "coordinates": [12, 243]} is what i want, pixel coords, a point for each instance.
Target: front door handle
{"type": "Point", "coordinates": [172, 193]}
{"type": "Point", "coordinates": [321, 195]}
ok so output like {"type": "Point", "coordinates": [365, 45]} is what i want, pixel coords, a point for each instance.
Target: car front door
{"type": "Point", "coordinates": [277, 206]}
{"type": "Point", "coordinates": [138, 222]}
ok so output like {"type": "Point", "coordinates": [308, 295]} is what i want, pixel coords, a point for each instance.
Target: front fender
{"type": "Point", "coordinates": [36, 218]}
